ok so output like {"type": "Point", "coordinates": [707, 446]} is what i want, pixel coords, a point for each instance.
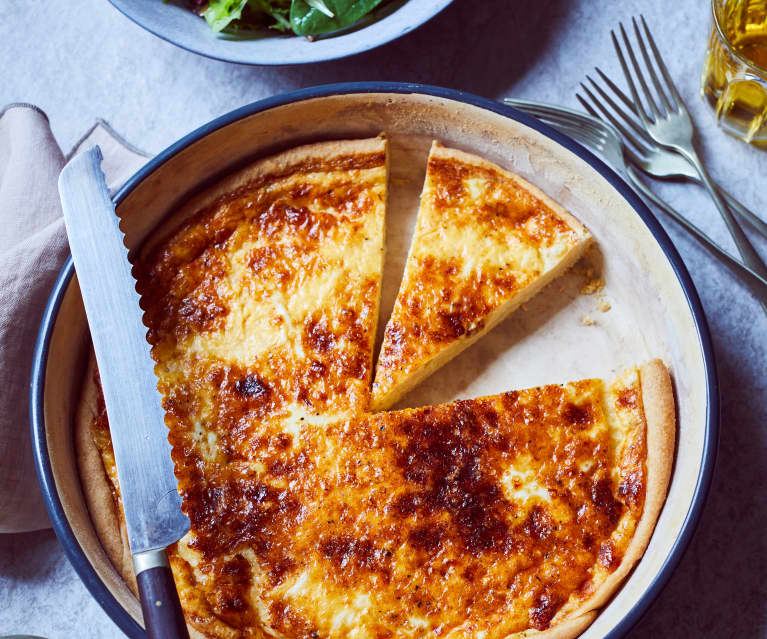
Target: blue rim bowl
{"type": "Point", "coordinates": [180, 26]}
{"type": "Point", "coordinates": [57, 514]}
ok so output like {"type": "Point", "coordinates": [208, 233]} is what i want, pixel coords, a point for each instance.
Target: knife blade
{"type": "Point", "coordinates": [148, 486]}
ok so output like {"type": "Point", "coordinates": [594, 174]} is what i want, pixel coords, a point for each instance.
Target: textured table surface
{"type": "Point", "coordinates": [93, 63]}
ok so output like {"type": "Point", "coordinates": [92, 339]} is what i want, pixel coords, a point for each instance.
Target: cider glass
{"type": "Point", "coordinates": [734, 78]}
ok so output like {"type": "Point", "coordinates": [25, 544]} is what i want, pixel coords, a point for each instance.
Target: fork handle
{"type": "Point", "coordinates": [747, 250]}
{"type": "Point", "coordinates": [745, 214]}
{"type": "Point", "coordinates": [756, 284]}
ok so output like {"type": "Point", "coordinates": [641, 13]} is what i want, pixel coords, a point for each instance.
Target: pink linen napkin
{"type": "Point", "coordinates": [33, 247]}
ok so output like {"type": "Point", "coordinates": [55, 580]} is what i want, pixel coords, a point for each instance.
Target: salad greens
{"type": "Point", "coordinates": [307, 18]}
{"type": "Point", "coordinates": [302, 17]}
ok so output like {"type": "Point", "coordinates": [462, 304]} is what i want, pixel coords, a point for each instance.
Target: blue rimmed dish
{"type": "Point", "coordinates": [178, 25]}
{"type": "Point", "coordinates": [655, 308]}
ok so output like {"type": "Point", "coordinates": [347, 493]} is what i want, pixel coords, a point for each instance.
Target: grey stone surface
{"type": "Point", "coordinates": [83, 60]}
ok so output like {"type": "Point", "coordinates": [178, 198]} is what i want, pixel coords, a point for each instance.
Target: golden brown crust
{"type": "Point", "coordinates": [568, 629]}
{"type": "Point", "coordinates": [659, 414]}
{"type": "Point", "coordinates": [95, 483]}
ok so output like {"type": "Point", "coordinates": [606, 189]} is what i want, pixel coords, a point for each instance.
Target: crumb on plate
{"type": "Point", "coordinates": [593, 285]}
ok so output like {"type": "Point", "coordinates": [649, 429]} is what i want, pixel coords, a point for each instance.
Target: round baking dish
{"type": "Point", "coordinates": [655, 308]}
{"type": "Point", "coordinates": [176, 24]}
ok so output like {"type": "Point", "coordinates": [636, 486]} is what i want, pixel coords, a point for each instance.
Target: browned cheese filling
{"type": "Point", "coordinates": [311, 518]}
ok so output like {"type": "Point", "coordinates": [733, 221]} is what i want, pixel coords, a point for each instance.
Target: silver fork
{"type": "Point", "coordinates": [644, 152]}
{"type": "Point", "coordinates": [605, 140]}
{"type": "Point", "coordinates": [671, 125]}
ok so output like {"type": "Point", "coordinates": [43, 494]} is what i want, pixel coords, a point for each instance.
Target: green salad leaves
{"type": "Point", "coordinates": [302, 17]}
{"type": "Point", "coordinates": [307, 18]}
{"type": "Point", "coordinates": [248, 14]}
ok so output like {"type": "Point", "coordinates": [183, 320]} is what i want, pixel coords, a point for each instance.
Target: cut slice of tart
{"type": "Point", "coordinates": [265, 293]}
{"type": "Point", "coordinates": [485, 242]}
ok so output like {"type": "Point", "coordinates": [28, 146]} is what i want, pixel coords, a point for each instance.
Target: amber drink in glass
{"type": "Point", "coordinates": [735, 73]}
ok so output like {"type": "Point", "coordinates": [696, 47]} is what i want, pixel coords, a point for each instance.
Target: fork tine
{"type": "Point", "coordinates": [646, 142]}
{"type": "Point", "coordinates": [557, 116]}
{"type": "Point", "coordinates": [578, 126]}
{"type": "Point", "coordinates": [603, 144]}
{"type": "Point", "coordinates": [634, 156]}
{"type": "Point", "coordinates": [658, 87]}
{"type": "Point", "coordinates": [617, 91]}
{"type": "Point", "coordinates": [591, 111]}
{"type": "Point", "coordinates": [662, 65]}
{"type": "Point", "coordinates": [643, 114]}
{"type": "Point", "coordinates": [578, 133]}
{"type": "Point", "coordinates": [627, 118]}
{"type": "Point", "coordinates": [639, 74]}
{"type": "Point", "coordinates": [606, 115]}
{"type": "Point", "coordinates": [587, 106]}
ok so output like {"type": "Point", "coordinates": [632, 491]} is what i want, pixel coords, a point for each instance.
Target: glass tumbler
{"type": "Point", "coordinates": [734, 78]}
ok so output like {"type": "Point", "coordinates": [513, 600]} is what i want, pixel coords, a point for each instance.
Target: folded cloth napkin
{"type": "Point", "coordinates": [33, 247]}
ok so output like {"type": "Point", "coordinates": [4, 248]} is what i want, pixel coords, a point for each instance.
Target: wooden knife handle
{"type": "Point", "coordinates": [163, 618]}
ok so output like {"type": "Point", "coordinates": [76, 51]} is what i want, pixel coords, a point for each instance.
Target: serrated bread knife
{"type": "Point", "coordinates": [148, 486]}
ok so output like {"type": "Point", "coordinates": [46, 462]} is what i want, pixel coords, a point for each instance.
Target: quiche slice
{"type": "Point", "coordinates": [262, 299]}
{"type": "Point", "coordinates": [485, 242]}
{"type": "Point", "coordinates": [507, 516]}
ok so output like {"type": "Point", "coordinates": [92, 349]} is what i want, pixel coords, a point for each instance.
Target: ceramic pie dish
{"type": "Point", "coordinates": [562, 334]}
{"type": "Point", "coordinates": [174, 22]}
